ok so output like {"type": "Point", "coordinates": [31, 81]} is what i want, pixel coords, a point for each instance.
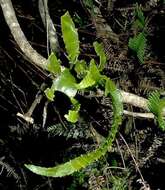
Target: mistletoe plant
{"type": "Point", "coordinates": [89, 76]}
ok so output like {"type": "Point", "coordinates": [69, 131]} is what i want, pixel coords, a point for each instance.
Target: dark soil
{"type": "Point", "coordinates": [20, 81]}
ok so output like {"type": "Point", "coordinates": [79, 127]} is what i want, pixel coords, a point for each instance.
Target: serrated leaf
{"type": "Point", "coordinates": [84, 160]}
{"type": "Point", "coordinates": [99, 49]}
{"type": "Point", "coordinates": [53, 64]}
{"type": "Point", "coordinates": [65, 83]}
{"type": "Point", "coordinates": [70, 37]}
{"type": "Point", "coordinates": [138, 45]}
{"type": "Point", "coordinates": [72, 116]}
{"type": "Point", "coordinates": [49, 92]}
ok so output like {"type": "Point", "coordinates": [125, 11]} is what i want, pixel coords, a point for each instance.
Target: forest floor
{"type": "Point", "coordinates": [137, 160]}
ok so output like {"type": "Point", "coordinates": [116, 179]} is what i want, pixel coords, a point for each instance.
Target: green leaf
{"type": "Point", "coordinates": [70, 37]}
{"type": "Point", "coordinates": [80, 68]}
{"type": "Point", "coordinates": [138, 45]}
{"type": "Point", "coordinates": [75, 103]}
{"type": "Point", "coordinates": [156, 106]}
{"type": "Point", "coordinates": [140, 21]}
{"type": "Point", "coordinates": [49, 92]}
{"type": "Point", "coordinates": [93, 76]}
{"type": "Point", "coordinates": [88, 81]}
{"type": "Point", "coordinates": [99, 49]}
{"type": "Point", "coordinates": [83, 161]}
{"type": "Point", "coordinates": [65, 83]}
{"type": "Point", "coordinates": [110, 89]}
{"type": "Point", "coordinates": [109, 86]}
{"type": "Point", "coordinates": [72, 116]}
{"type": "Point", "coordinates": [93, 69]}
{"type": "Point", "coordinates": [53, 64]}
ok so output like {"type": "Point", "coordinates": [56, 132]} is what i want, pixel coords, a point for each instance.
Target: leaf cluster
{"type": "Point", "coordinates": [66, 83]}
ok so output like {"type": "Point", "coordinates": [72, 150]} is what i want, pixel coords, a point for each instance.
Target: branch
{"type": "Point", "coordinates": [12, 22]}
{"type": "Point", "coordinates": [134, 100]}
{"type": "Point", "coordinates": [48, 23]}
{"type": "Point", "coordinates": [140, 115]}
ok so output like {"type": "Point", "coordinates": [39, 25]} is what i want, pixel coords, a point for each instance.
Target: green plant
{"type": "Point", "coordinates": [139, 42]}
{"type": "Point", "coordinates": [65, 82]}
{"type": "Point", "coordinates": [119, 183]}
{"type": "Point", "coordinates": [78, 179]}
{"type": "Point", "coordinates": [156, 106]}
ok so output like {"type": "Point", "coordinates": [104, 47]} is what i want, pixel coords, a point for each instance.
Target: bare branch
{"type": "Point", "coordinates": [11, 20]}
{"type": "Point", "coordinates": [140, 115]}
{"type": "Point", "coordinates": [48, 23]}
{"type": "Point", "coordinates": [134, 100]}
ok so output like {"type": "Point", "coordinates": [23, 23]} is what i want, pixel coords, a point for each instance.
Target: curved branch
{"type": "Point", "coordinates": [12, 22]}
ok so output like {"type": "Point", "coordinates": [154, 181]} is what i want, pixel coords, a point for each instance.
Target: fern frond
{"type": "Point", "coordinates": [140, 21]}
{"type": "Point", "coordinates": [138, 45]}
{"type": "Point", "coordinates": [10, 171]}
{"type": "Point", "coordinates": [156, 106]}
{"type": "Point", "coordinates": [74, 131]}
{"type": "Point", "coordinates": [83, 161]}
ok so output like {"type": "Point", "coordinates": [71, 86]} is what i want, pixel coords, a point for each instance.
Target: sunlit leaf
{"type": "Point", "coordinates": [65, 83]}
{"type": "Point", "coordinates": [94, 71]}
{"type": "Point", "coordinates": [49, 92]}
{"type": "Point", "coordinates": [75, 103]}
{"type": "Point", "coordinates": [92, 77]}
{"type": "Point", "coordinates": [99, 49]}
{"type": "Point", "coordinates": [72, 116]}
{"type": "Point", "coordinates": [70, 37]}
{"type": "Point", "coordinates": [86, 82]}
{"type": "Point", "coordinates": [53, 64]}
{"type": "Point", "coordinates": [80, 68]}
